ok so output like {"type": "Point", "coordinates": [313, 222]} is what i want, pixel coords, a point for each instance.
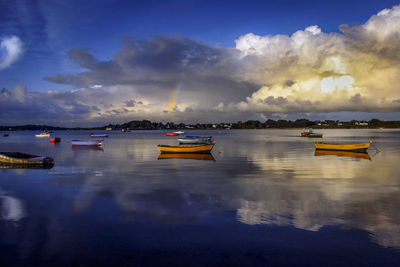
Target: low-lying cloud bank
{"type": "Point", "coordinates": [308, 72]}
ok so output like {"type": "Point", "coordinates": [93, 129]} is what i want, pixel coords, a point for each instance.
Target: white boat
{"type": "Point", "coordinates": [179, 132]}
{"type": "Point", "coordinates": [43, 134]}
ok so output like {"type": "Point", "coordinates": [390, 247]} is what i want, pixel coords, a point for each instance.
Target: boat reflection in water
{"type": "Point", "coordinates": [87, 148]}
{"type": "Point", "coordinates": [24, 166]}
{"type": "Point", "coordinates": [338, 153]}
{"type": "Point", "coordinates": [198, 156]}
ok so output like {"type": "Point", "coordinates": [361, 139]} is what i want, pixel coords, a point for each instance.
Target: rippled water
{"type": "Point", "coordinates": [264, 197]}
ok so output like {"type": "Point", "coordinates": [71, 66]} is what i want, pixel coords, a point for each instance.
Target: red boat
{"type": "Point", "coordinates": [171, 134]}
{"type": "Point", "coordinates": [55, 140]}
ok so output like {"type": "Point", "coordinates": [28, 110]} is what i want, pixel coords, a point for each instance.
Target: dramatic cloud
{"type": "Point", "coordinates": [312, 71]}
{"type": "Point", "coordinates": [11, 49]}
{"type": "Point", "coordinates": [308, 72]}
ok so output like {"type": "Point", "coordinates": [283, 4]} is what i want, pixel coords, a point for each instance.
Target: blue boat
{"type": "Point", "coordinates": [194, 139]}
{"type": "Point", "coordinates": [98, 135]}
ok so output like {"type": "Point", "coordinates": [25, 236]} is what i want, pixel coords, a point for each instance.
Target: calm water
{"type": "Point", "coordinates": [264, 198]}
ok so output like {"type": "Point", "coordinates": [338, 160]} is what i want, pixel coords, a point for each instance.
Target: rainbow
{"type": "Point", "coordinates": [175, 92]}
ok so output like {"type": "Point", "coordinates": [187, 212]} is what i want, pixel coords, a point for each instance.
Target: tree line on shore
{"type": "Point", "coordinates": [250, 124]}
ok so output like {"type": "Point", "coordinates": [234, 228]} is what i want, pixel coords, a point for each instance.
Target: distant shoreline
{"type": "Point", "coordinates": [251, 124]}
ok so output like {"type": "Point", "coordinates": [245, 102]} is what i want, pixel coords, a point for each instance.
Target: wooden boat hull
{"type": "Point", "coordinates": [186, 148]}
{"type": "Point", "coordinates": [87, 142]}
{"type": "Point", "coordinates": [314, 135]}
{"type": "Point", "coordinates": [42, 135]}
{"type": "Point", "coordinates": [197, 156]}
{"type": "Point", "coordinates": [343, 147]}
{"type": "Point", "coordinates": [339, 153]}
{"type": "Point", "coordinates": [24, 159]}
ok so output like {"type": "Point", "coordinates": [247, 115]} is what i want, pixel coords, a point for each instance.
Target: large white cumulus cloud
{"type": "Point", "coordinates": [312, 71]}
{"type": "Point", "coordinates": [11, 49]}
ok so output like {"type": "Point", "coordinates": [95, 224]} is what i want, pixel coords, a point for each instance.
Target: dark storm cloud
{"type": "Point", "coordinates": [162, 62]}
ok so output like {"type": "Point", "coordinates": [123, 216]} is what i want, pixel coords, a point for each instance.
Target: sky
{"type": "Point", "coordinates": [89, 63]}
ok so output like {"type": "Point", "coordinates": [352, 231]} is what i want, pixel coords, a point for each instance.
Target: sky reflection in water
{"type": "Point", "coordinates": [255, 178]}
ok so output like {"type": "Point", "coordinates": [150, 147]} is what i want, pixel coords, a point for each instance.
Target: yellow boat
{"type": "Point", "coordinates": [343, 147]}
{"type": "Point", "coordinates": [201, 148]}
{"type": "Point", "coordinates": [198, 156]}
{"type": "Point", "coordinates": [339, 153]}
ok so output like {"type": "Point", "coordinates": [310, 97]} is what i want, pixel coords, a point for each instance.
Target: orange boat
{"type": "Point", "coordinates": [362, 147]}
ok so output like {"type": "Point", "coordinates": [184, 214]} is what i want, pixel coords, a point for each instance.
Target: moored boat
{"type": "Point", "coordinates": [196, 140]}
{"type": "Point", "coordinates": [25, 159]}
{"type": "Point", "coordinates": [362, 147]}
{"type": "Point", "coordinates": [179, 132]}
{"type": "Point", "coordinates": [5, 135]}
{"type": "Point", "coordinates": [55, 140]}
{"type": "Point", "coordinates": [43, 134]}
{"type": "Point", "coordinates": [98, 135]}
{"type": "Point", "coordinates": [200, 148]}
{"type": "Point", "coordinates": [87, 142]}
{"type": "Point", "coordinates": [311, 134]}
{"type": "Point", "coordinates": [197, 156]}
{"type": "Point", "coordinates": [171, 134]}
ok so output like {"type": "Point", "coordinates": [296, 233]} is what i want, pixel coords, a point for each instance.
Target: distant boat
{"type": "Point", "coordinates": [98, 135]}
{"type": "Point", "coordinates": [362, 147]}
{"type": "Point", "coordinates": [87, 142]}
{"type": "Point", "coordinates": [310, 133]}
{"type": "Point", "coordinates": [338, 153]}
{"type": "Point", "coordinates": [43, 134]}
{"type": "Point", "coordinates": [201, 148]}
{"type": "Point", "coordinates": [179, 132]}
{"type": "Point", "coordinates": [171, 134]}
{"type": "Point", "coordinates": [194, 139]}
{"type": "Point", "coordinates": [25, 159]}
{"type": "Point", "coordinates": [5, 135]}
{"type": "Point", "coordinates": [197, 156]}
{"type": "Point", "coordinates": [55, 140]}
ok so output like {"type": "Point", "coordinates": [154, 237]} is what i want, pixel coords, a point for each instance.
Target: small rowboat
{"type": "Point", "coordinates": [197, 156]}
{"type": "Point", "coordinates": [87, 142]}
{"type": "Point", "coordinates": [44, 134]}
{"type": "Point", "coordinates": [179, 132]}
{"type": "Point", "coordinates": [55, 140]}
{"type": "Point", "coordinates": [99, 135]}
{"type": "Point", "coordinates": [202, 148]}
{"type": "Point", "coordinates": [5, 135]}
{"type": "Point", "coordinates": [343, 147]}
{"type": "Point", "coordinates": [196, 140]}
{"type": "Point", "coordinates": [171, 134]}
{"type": "Point", "coordinates": [361, 155]}
{"type": "Point", "coordinates": [24, 159]}
{"type": "Point", "coordinates": [311, 134]}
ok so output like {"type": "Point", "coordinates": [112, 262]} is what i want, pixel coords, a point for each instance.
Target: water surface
{"type": "Point", "coordinates": [263, 197]}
